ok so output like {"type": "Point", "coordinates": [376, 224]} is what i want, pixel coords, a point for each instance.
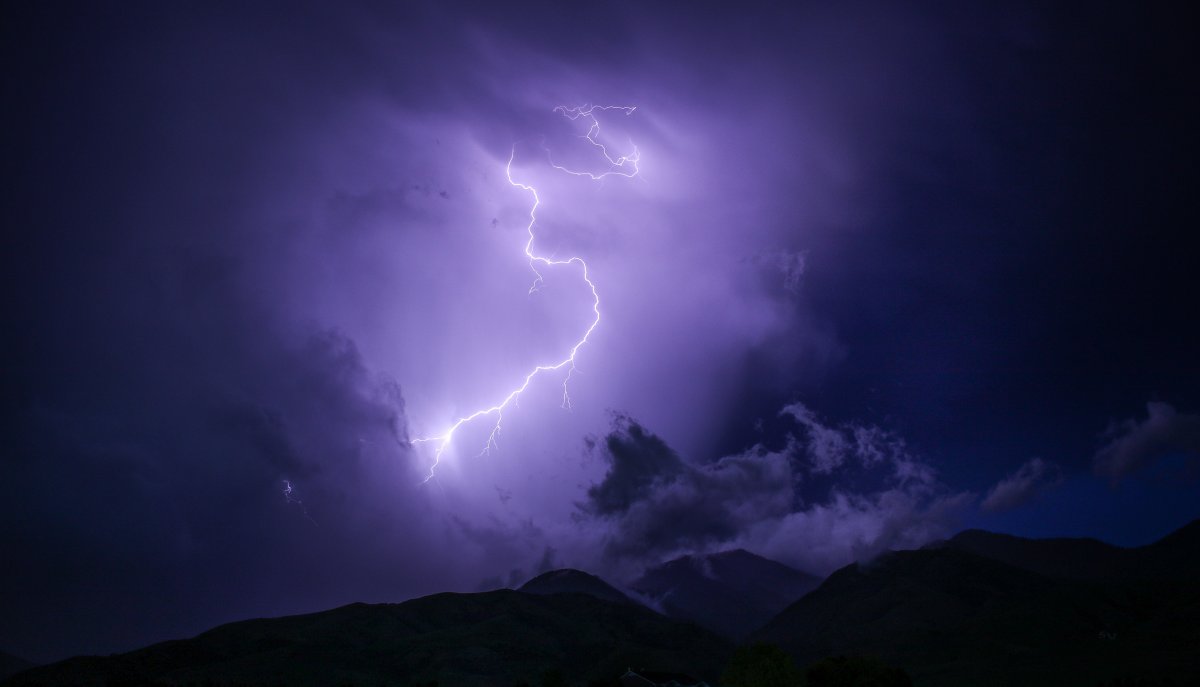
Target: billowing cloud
{"type": "Point", "coordinates": [1017, 489]}
{"type": "Point", "coordinates": [1132, 444]}
{"type": "Point", "coordinates": [670, 505]}
{"type": "Point", "coordinates": [830, 447]}
{"type": "Point", "coordinates": [638, 462]}
{"type": "Point", "coordinates": [847, 527]}
{"type": "Point", "coordinates": [767, 500]}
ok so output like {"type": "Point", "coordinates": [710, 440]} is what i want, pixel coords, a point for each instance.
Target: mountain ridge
{"type": "Point", "coordinates": [1174, 556]}
{"type": "Point", "coordinates": [1058, 611]}
{"type": "Point", "coordinates": [468, 640]}
{"type": "Point", "coordinates": [950, 616]}
{"type": "Point", "coordinates": [572, 581]}
{"type": "Point", "coordinates": [730, 592]}
{"type": "Point", "coordinates": [11, 665]}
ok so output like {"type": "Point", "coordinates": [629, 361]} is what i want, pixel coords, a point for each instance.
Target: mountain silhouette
{"type": "Point", "coordinates": [1068, 614]}
{"type": "Point", "coordinates": [493, 638]}
{"type": "Point", "coordinates": [10, 665]}
{"type": "Point", "coordinates": [570, 581]}
{"type": "Point", "coordinates": [731, 593]}
{"type": "Point", "coordinates": [1176, 556]}
{"type": "Point", "coordinates": [979, 609]}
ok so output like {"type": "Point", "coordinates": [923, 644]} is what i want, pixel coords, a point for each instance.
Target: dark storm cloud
{"type": "Point", "coordinates": [1133, 444]}
{"type": "Point", "coordinates": [1017, 489]}
{"type": "Point", "coordinates": [658, 503]}
{"type": "Point", "coordinates": [780, 503]}
{"type": "Point", "coordinates": [637, 461]}
{"type": "Point", "coordinates": [137, 507]}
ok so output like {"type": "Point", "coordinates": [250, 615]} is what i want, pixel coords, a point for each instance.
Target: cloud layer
{"type": "Point", "coordinates": [829, 495]}
{"type": "Point", "coordinates": [1017, 489]}
{"type": "Point", "coordinates": [1133, 445]}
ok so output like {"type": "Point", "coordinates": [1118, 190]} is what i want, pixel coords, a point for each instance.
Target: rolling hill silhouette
{"type": "Point", "coordinates": [492, 638]}
{"type": "Point", "coordinates": [1175, 556]}
{"type": "Point", "coordinates": [950, 616]}
{"type": "Point", "coordinates": [569, 581]}
{"type": "Point", "coordinates": [979, 609]}
{"type": "Point", "coordinates": [11, 665]}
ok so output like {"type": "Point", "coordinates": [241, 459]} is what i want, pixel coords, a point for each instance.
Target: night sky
{"type": "Point", "coordinates": [882, 274]}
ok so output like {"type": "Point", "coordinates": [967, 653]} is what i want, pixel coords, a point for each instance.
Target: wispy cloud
{"type": "Point", "coordinates": [1018, 488]}
{"type": "Point", "coordinates": [1132, 445]}
{"type": "Point", "coordinates": [653, 504]}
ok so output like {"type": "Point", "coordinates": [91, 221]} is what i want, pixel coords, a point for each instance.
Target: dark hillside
{"type": "Point", "coordinates": [568, 581]}
{"type": "Point", "coordinates": [952, 617]}
{"type": "Point", "coordinates": [494, 638]}
{"type": "Point", "coordinates": [731, 593]}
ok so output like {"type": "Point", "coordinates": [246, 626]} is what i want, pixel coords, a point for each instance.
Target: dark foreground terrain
{"type": "Point", "coordinates": [979, 609]}
{"type": "Point", "coordinates": [492, 638]}
{"type": "Point", "coordinates": [950, 617]}
{"type": "Point", "coordinates": [11, 665]}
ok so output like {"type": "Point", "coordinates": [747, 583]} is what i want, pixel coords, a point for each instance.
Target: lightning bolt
{"type": "Point", "coordinates": [289, 496]}
{"type": "Point", "coordinates": [617, 166]}
{"type": "Point", "coordinates": [623, 165]}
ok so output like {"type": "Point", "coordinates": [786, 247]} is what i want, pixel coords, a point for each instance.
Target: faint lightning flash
{"type": "Point", "coordinates": [626, 166]}
{"type": "Point", "coordinates": [289, 495]}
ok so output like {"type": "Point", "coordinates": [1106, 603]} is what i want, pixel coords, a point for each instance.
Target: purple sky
{"type": "Point", "coordinates": [883, 274]}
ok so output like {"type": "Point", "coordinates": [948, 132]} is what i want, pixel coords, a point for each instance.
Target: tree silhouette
{"type": "Point", "coordinates": [761, 665]}
{"type": "Point", "coordinates": [855, 671]}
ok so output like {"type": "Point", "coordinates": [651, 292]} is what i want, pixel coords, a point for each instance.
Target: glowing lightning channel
{"type": "Point", "coordinates": [617, 166]}
{"type": "Point", "coordinates": [626, 166]}
{"type": "Point", "coordinates": [289, 496]}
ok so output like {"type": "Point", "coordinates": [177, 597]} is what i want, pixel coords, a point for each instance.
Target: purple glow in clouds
{"type": "Point", "coordinates": [626, 166]}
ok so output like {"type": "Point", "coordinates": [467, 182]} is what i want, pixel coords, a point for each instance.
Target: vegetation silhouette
{"type": "Point", "coordinates": [855, 671]}
{"type": "Point", "coordinates": [761, 665]}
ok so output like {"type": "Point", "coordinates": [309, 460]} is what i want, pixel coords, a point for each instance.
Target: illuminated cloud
{"type": "Point", "coordinates": [654, 505]}
{"type": "Point", "coordinates": [623, 166]}
{"type": "Point", "coordinates": [1134, 444]}
{"type": "Point", "coordinates": [1017, 489]}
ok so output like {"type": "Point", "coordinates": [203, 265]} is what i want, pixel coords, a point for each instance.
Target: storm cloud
{"type": "Point", "coordinates": [252, 251]}
{"type": "Point", "coordinates": [827, 496]}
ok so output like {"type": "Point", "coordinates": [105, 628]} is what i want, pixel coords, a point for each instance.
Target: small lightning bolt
{"type": "Point", "coordinates": [289, 495]}
{"type": "Point", "coordinates": [625, 166]}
